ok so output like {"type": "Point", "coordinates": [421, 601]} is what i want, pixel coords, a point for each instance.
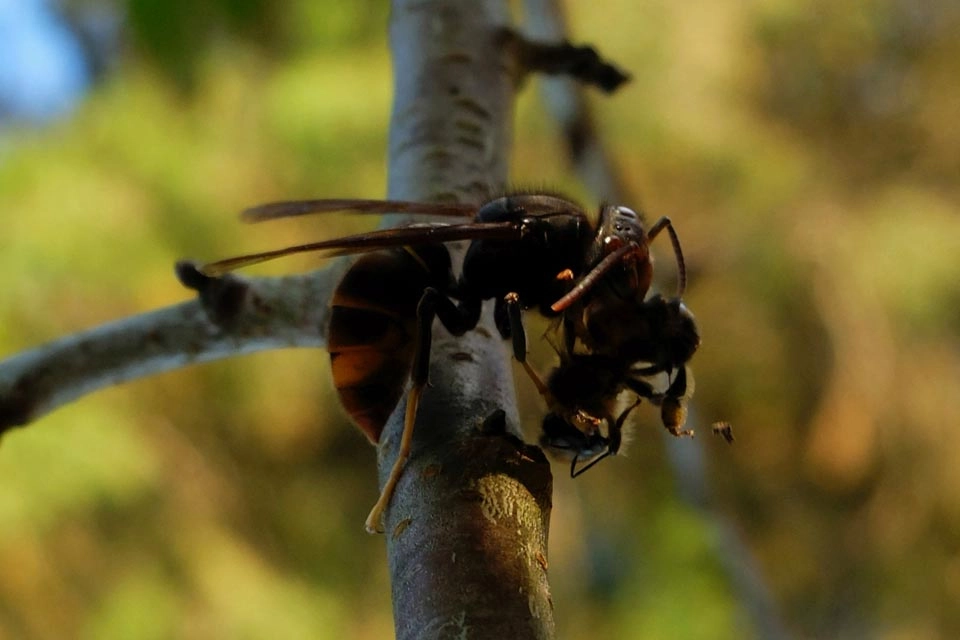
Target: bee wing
{"type": "Point", "coordinates": [292, 208]}
{"type": "Point", "coordinates": [376, 240]}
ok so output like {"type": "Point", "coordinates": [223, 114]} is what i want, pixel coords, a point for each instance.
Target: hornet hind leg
{"type": "Point", "coordinates": [457, 319]}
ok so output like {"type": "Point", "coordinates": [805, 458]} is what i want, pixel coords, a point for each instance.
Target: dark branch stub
{"type": "Point", "coordinates": [581, 62]}
{"type": "Point", "coordinates": [222, 297]}
{"type": "Point", "coordinates": [16, 407]}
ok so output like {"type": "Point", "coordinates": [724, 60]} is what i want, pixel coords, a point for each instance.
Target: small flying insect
{"type": "Point", "coordinates": [526, 251]}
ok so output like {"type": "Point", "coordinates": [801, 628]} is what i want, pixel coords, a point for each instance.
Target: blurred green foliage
{"type": "Point", "coordinates": [808, 153]}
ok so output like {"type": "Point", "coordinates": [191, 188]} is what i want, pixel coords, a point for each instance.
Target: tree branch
{"type": "Point", "coordinates": [266, 313]}
{"type": "Point", "coordinates": [467, 527]}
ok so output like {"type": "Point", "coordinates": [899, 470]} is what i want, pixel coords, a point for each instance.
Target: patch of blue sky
{"type": "Point", "coordinates": [43, 72]}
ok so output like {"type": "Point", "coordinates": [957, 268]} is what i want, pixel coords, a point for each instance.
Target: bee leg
{"type": "Point", "coordinates": [576, 471]}
{"type": "Point", "coordinates": [673, 409]}
{"type": "Point", "coordinates": [457, 320]}
{"type": "Point", "coordinates": [614, 440]}
{"type": "Point", "coordinates": [616, 429]}
{"type": "Point", "coordinates": [644, 389]}
{"type": "Point", "coordinates": [672, 402]}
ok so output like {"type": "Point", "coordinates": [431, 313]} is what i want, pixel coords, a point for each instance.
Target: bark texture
{"type": "Point", "coordinates": [467, 527]}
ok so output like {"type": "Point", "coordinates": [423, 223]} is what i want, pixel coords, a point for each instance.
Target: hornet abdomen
{"type": "Point", "coordinates": [372, 333]}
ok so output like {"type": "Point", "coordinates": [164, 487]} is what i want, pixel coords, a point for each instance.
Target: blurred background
{"type": "Point", "coordinates": [808, 153]}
